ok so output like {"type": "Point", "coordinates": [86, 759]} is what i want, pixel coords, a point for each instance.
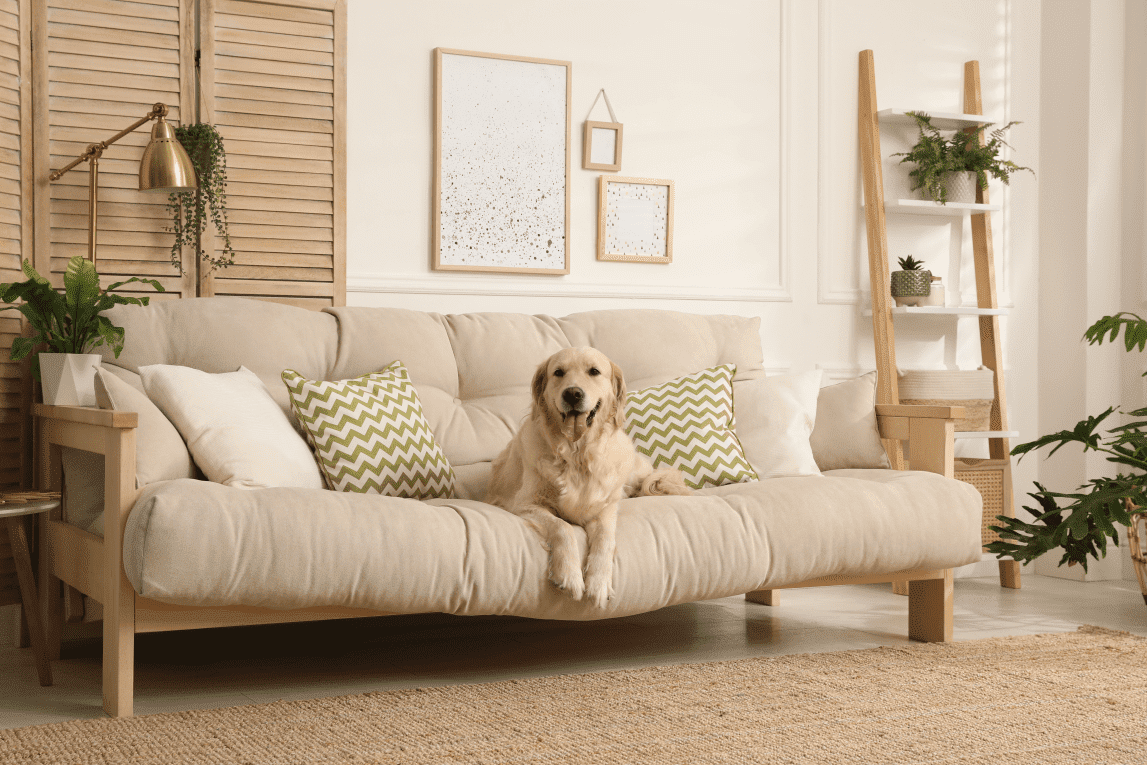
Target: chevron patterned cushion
{"type": "Point", "coordinates": [370, 434]}
{"type": "Point", "coordinates": [688, 424]}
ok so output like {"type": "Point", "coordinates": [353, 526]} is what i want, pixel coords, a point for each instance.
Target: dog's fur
{"type": "Point", "coordinates": [571, 463]}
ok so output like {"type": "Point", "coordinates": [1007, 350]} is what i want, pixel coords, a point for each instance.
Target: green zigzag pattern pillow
{"type": "Point", "coordinates": [370, 434]}
{"type": "Point", "coordinates": [688, 424]}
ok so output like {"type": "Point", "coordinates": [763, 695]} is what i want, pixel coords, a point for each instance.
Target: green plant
{"type": "Point", "coordinates": [1088, 517]}
{"type": "Point", "coordinates": [71, 322]}
{"type": "Point", "coordinates": [190, 209]}
{"type": "Point", "coordinates": [936, 156]}
{"type": "Point", "coordinates": [910, 263]}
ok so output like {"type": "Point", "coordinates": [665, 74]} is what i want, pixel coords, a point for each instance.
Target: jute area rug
{"type": "Point", "coordinates": [1064, 698]}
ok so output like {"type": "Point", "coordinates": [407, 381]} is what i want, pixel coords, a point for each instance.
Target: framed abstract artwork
{"type": "Point", "coordinates": [635, 220]}
{"type": "Point", "coordinates": [501, 163]}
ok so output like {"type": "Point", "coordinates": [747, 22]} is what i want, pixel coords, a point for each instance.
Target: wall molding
{"type": "Point", "coordinates": [553, 287]}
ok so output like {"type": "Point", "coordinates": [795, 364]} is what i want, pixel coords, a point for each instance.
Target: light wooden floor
{"type": "Point", "coordinates": [260, 664]}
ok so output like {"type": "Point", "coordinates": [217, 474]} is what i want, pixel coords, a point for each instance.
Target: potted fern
{"type": "Point", "coordinates": [911, 284]}
{"type": "Point", "coordinates": [949, 169]}
{"type": "Point", "coordinates": [1080, 523]}
{"type": "Point", "coordinates": [70, 325]}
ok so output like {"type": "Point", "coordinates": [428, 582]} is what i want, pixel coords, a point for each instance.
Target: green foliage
{"type": "Point", "coordinates": [190, 209]}
{"type": "Point", "coordinates": [910, 263]}
{"type": "Point", "coordinates": [68, 322]}
{"type": "Point", "coordinates": [936, 156]}
{"type": "Point", "coordinates": [1082, 524]}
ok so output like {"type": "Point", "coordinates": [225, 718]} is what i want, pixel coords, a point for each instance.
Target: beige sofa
{"type": "Point", "coordinates": [188, 553]}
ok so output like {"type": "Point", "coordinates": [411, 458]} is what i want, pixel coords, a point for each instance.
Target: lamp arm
{"type": "Point", "coordinates": [96, 149]}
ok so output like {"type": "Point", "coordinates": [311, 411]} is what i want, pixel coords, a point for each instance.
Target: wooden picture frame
{"type": "Point", "coordinates": [610, 147]}
{"type": "Point", "coordinates": [492, 211]}
{"type": "Point", "coordinates": [635, 220]}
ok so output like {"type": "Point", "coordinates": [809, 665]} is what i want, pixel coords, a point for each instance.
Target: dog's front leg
{"type": "Point", "coordinates": [601, 533]}
{"type": "Point", "coordinates": [557, 536]}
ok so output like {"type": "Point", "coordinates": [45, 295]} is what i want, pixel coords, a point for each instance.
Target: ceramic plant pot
{"type": "Point", "coordinates": [69, 379]}
{"type": "Point", "coordinates": [961, 187]}
{"type": "Point", "coordinates": [911, 287]}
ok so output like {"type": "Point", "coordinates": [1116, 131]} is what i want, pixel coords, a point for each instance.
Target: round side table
{"type": "Point", "coordinates": [13, 507]}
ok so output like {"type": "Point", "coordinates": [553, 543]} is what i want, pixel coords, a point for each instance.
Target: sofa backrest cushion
{"type": "Point", "coordinates": [472, 371]}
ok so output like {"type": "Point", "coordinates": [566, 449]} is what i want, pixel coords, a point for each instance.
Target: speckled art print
{"type": "Point", "coordinates": [501, 171]}
{"type": "Point", "coordinates": [635, 220]}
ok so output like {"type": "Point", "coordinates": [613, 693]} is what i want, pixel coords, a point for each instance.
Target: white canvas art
{"type": "Point", "coordinates": [501, 186]}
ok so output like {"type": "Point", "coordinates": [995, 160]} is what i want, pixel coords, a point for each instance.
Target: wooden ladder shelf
{"type": "Point", "coordinates": [992, 477]}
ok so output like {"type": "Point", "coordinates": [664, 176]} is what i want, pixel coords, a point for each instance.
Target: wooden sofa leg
{"type": "Point", "coordinates": [119, 651]}
{"type": "Point", "coordinates": [764, 597]}
{"type": "Point", "coordinates": [1010, 574]}
{"type": "Point", "coordinates": [930, 609]}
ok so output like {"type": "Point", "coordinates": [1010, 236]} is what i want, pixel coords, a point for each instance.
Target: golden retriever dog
{"type": "Point", "coordinates": [571, 463]}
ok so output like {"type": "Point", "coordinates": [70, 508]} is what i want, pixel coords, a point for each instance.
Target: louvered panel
{"type": "Point", "coordinates": [16, 226]}
{"type": "Point", "coordinates": [106, 63]}
{"type": "Point", "coordinates": [274, 77]}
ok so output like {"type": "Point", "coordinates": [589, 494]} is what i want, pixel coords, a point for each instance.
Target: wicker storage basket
{"type": "Point", "coordinates": [993, 479]}
{"type": "Point", "coordinates": [1137, 539]}
{"type": "Point", "coordinates": [972, 389]}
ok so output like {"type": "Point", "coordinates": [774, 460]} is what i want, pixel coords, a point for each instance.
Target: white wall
{"type": "Point", "coordinates": [750, 107]}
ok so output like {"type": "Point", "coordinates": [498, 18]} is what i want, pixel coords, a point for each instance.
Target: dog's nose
{"type": "Point", "coordinates": [573, 396]}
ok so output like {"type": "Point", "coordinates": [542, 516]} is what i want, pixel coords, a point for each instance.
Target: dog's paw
{"type": "Point", "coordinates": [566, 576]}
{"type": "Point", "coordinates": [598, 589]}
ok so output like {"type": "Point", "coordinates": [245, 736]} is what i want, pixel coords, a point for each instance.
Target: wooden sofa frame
{"type": "Point", "coordinates": [93, 565]}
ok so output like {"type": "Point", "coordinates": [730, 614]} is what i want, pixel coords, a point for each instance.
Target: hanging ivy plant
{"type": "Point", "coordinates": [190, 209]}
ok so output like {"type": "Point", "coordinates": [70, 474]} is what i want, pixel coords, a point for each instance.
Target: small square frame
{"type": "Point", "coordinates": [587, 146]}
{"type": "Point", "coordinates": [606, 210]}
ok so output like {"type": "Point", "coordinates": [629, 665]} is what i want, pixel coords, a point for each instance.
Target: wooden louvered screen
{"type": "Point", "coordinates": [15, 234]}
{"type": "Point", "coordinates": [273, 77]}
{"type": "Point", "coordinates": [106, 63]}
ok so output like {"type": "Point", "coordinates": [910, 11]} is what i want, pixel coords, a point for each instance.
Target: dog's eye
{"type": "Point", "coordinates": [559, 373]}
{"type": "Point", "coordinates": [594, 371]}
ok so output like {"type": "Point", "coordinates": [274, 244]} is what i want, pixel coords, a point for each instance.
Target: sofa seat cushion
{"type": "Point", "coordinates": [199, 543]}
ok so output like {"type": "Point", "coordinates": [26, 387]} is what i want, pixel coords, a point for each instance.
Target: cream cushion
{"type": "Point", "coordinates": [782, 410]}
{"type": "Point", "coordinates": [294, 548]}
{"type": "Point", "coordinates": [233, 428]}
{"type": "Point", "coordinates": [846, 433]}
{"type": "Point", "coordinates": [160, 453]}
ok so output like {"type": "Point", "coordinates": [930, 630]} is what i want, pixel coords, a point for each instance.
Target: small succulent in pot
{"type": "Point", "coordinates": [911, 284]}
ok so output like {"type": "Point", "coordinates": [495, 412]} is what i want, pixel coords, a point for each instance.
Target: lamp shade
{"type": "Point", "coordinates": [165, 166]}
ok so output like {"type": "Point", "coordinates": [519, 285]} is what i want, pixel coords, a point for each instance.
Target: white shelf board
{"type": "Point", "coordinates": [987, 434]}
{"type": "Point", "coordinates": [922, 207]}
{"type": "Point", "coordinates": [941, 120]}
{"type": "Point", "coordinates": [943, 310]}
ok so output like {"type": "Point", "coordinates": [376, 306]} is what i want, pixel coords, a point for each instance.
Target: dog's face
{"type": "Point", "coordinates": [578, 389]}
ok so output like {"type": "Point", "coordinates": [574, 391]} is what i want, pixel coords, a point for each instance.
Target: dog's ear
{"type": "Point", "coordinates": [618, 396]}
{"type": "Point", "coordinates": [539, 385]}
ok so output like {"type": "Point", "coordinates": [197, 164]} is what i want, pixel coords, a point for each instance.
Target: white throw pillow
{"type": "Point", "coordinates": [775, 417]}
{"type": "Point", "coordinates": [846, 433]}
{"type": "Point", "coordinates": [236, 432]}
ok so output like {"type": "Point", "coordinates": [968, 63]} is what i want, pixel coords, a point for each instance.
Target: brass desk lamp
{"type": "Point", "coordinates": [164, 168]}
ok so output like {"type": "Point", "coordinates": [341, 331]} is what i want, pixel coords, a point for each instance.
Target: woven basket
{"type": "Point", "coordinates": [993, 479]}
{"type": "Point", "coordinates": [973, 389]}
{"type": "Point", "coordinates": [1137, 540]}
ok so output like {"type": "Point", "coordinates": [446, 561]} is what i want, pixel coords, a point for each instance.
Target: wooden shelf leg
{"type": "Point", "coordinates": [23, 558]}
{"type": "Point", "coordinates": [930, 609]}
{"type": "Point", "coordinates": [764, 597]}
{"type": "Point", "coordinates": [1010, 574]}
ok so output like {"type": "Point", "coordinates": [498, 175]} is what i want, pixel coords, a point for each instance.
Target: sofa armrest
{"type": "Point", "coordinates": [929, 430]}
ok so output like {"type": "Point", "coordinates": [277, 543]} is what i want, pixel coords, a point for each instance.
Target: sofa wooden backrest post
{"type": "Point", "coordinates": [94, 565]}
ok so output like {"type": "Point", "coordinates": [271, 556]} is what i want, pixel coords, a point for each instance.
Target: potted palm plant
{"type": "Point", "coordinates": [1080, 523]}
{"type": "Point", "coordinates": [949, 169]}
{"type": "Point", "coordinates": [70, 325]}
